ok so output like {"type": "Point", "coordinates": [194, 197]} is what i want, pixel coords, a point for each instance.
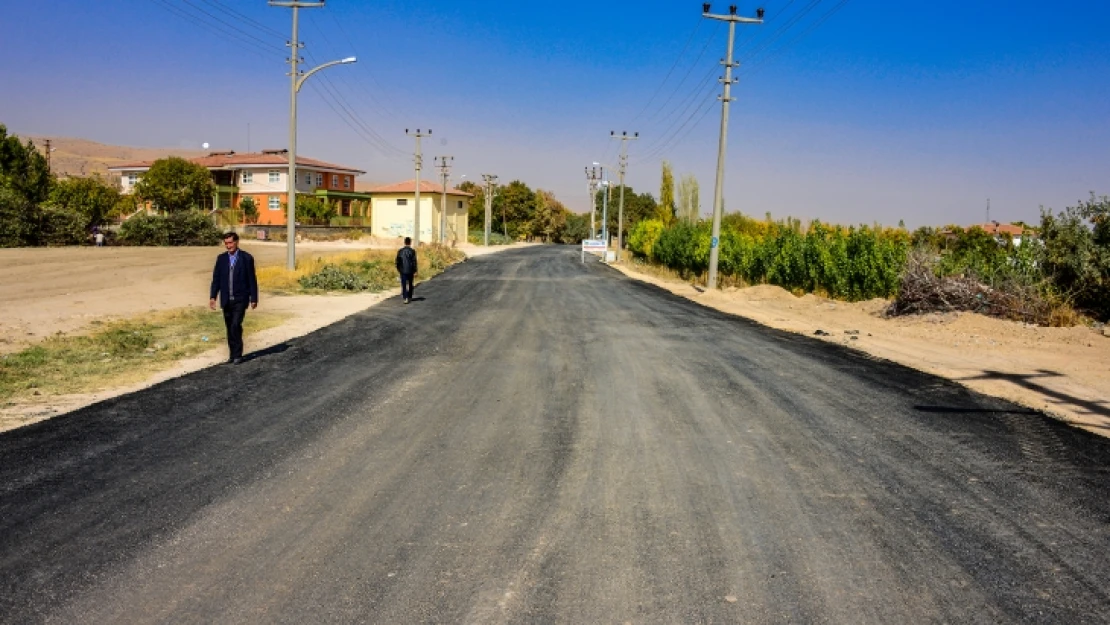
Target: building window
{"type": "Point", "coordinates": [275, 176]}
{"type": "Point", "coordinates": [334, 180]}
{"type": "Point", "coordinates": [225, 202]}
{"type": "Point", "coordinates": [460, 203]}
{"type": "Point", "coordinates": [346, 182]}
{"type": "Point", "coordinates": [319, 180]}
{"type": "Point", "coordinates": [275, 202]}
{"type": "Point", "coordinates": [402, 202]}
{"type": "Point", "coordinates": [132, 179]}
{"type": "Point", "coordinates": [248, 177]}
{"type": "Point", "coordinates": [308, 179]}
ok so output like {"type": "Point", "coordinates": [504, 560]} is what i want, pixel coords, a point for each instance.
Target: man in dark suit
{"type": "Point", "coordinates": [234, 280]}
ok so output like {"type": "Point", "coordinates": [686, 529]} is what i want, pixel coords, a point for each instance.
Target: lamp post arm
{"type": "Point", "coordinates": [304, 77]}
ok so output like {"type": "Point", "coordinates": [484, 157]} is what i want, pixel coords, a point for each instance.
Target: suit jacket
{"type": "Point", "coordinates": [241, 282]}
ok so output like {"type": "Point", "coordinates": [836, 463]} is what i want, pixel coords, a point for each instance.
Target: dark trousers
{"type": "Point", "coordinates": [234, 313]}
{"type": "Point", "coordinates": [406, 285]}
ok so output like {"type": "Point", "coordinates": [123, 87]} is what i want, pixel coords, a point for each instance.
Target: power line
{"type": "Point", "coordinates": [755, 67]}
{"type": "Point", "coordinates": [669, 72]}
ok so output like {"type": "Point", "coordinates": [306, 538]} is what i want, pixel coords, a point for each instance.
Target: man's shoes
{"type": "Point", "coordinates": [236, 361]}
{"type": "Point", "coordinates": [406, 300]}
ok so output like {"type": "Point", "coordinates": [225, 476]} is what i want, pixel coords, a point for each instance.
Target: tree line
{"type": "Point", "coordinates": [38, 208]}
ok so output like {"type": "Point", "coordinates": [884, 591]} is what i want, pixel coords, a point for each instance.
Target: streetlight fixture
{"type": "Point", "coordinates": [291, 187]}
{"type": "Point", "coordinates": [605, 202]}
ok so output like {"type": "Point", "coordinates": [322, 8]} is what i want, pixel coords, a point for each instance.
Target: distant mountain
{"type": "Point", "coordinates": [81, 157]}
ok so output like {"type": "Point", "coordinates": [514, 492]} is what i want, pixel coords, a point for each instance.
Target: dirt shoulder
{"type": "Point", "coordinates": [1064, 372]}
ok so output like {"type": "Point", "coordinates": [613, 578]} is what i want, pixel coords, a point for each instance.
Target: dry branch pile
{"type": "Point", "coordinates": [924, 291]}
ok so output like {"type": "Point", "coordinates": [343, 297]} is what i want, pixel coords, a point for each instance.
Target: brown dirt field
{"type": "Point", "coordinates": [1064, 372]}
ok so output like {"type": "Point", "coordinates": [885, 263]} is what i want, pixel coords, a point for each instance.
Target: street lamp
{"type": "Point", "coordinates": [605, 203]}
{"type": "Point", "coordinates": [291, 192]}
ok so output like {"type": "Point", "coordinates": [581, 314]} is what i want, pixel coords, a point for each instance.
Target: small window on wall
{"type": "Point", "coordinates": [346, 182]}
{"type": "Point", "coordinates": [132, 179]}
{"type": "Point", "coordinates": [275, 202]}
{"type": "Point", "coordinates": [460, 203]}
{"type": "Point", "coordinates": [319, 180]}
{"type": "Point", "coordinates": [308, 179]}
{"type": "Point", "coordinates": [334, 180]}
{"type": "Point", "coordinates": [248, 177]}
{"type": "Point", "coordinates": [275, 176]}
{"type": "Point", "coordinates": [402, 202]}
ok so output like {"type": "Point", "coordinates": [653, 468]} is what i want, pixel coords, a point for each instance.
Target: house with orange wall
{"type": "Point", "coordinates": [263, 176]}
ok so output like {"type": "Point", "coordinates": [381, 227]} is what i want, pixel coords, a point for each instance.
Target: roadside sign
{"type": "Point", "coordinates": [593, 246]}
{"type": "Point", "coordinates": [713, 242]}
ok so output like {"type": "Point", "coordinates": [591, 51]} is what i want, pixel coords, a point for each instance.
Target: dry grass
{"type": "Point", "coordinates": [117, 353]}
{"type": "Point", "coordinates": [434, 259]}
{"type": "Point", "coordinates": [278, 279]}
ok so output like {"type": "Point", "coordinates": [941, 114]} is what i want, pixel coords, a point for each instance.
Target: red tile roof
{"type": "Point", "coordinates": [219, 161]}
{"type": "Point", "coordinates": [426, 186]}
{"type": "Point", "coordinates": [997, 229]}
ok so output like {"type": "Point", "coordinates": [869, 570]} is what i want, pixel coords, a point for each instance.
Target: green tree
{"type": "Point", "coordinates": [513, 208]}
{"type": "Point", "coordinates": [18, 219]}
{"type": "Point", "coordinates": [577, 228]}
{"type": "Point", "coordinates": [249, 208]}
{"type": "Point", "coordinates": [549, 217]}
{"type": "Point", "coordinates": [92, 198]}
{"type": "Point", "coordinates": [174, 184]}
{"type": "Point", "coordinates": [23, 169]}
{"type": "Point", "coordinates": [314, 211]}
{"type": "Point", "coordinates": [666, 210]}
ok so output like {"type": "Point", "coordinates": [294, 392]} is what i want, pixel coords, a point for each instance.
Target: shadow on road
{"type": "Point", "coordinates": [1098, 408]}
{"type": "Point", "coordinates": [273, 350]}
{"type": "Point", "coordinates": [959, 410]}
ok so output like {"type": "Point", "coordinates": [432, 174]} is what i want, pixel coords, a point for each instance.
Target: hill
{"type": "Point", "coordinates": [81, 157]}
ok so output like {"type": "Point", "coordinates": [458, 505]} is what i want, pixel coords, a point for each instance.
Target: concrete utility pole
{"type": "Point", "coordinates": [490, 181]}
{"type": "Point", "coordinates": [48, 151]}
{"type": "Point", "coordinates": [623, 167]}
{"type": "Point", "coordinates": [296, 80]}
{"type": "Point", "coordinates": [418, 135]}
{"type": "Point", "coordinates": [591, 183]}
{"type": "Point", "coordinates": [445, 173]}
{"type": "Point", "coordinates": [718, 189]}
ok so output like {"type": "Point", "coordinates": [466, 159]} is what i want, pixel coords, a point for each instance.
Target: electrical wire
{"type": "Point", "coordinates": [759, 64]}
{"type": "Point", "coordinates": [658, 89]}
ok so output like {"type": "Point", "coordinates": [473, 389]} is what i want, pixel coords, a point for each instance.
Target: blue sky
{"type": "Point", "coordinates": [860, 111]}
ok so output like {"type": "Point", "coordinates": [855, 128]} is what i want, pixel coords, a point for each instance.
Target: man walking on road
{"type": "Point", "coordinates": [234, 280]}
{"type": "Point", "coordinates": [406, 266]}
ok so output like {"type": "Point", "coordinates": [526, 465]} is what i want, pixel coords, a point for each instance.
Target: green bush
{"type": "Point", "coordinates": [63, 227]}
{"type": "Point", "coordinates": [336, 278]}
{"type": "Point", "coordinates": [314, 212]}
{"type": "Point", "coordinates": [181, 228]}
{"type": "Point", "coordinates": [477, 237]}
{"type": "Point", "coordinates": [847, 263]}
{"type": "Point", "coordinates": [641, 241]}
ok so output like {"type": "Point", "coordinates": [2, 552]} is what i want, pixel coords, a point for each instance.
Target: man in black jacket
{"type": "Point", "coordinates": [406, 266]}
{"type": "Point", "coordinates": [234, 280]}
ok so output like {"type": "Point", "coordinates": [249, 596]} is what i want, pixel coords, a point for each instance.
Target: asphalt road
{"type": "Point", "coordinates": [535, 440]}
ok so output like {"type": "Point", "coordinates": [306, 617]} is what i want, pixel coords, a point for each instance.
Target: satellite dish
{"type": "Point", "coordinates": [204, 145]}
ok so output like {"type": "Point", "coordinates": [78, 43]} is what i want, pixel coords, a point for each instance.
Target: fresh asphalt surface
{"type": "Point", "coordinates": [540, 441]}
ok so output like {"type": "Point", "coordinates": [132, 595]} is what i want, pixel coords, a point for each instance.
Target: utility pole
{"type": "Point", "coordinates": [48, 151]}
{"type": "Point", "coordinates": [718, 189]}
{"type": "Point", "coordinates": [294, 75]}
{"type": "Point", "coordinates": [625, 138]}
{"type": "Point", "coordinates": [988, 199]}
{"type": "Point", "coordinates": [418, 135]}
{"type": "Point", "coordinates": [591, 183]}
{"type": "Point", "coordinates": [445, 173]}
{"type": "Point", "coordinates": [605, 207]}
{"type": "Point", "coordinates": [490, 181]}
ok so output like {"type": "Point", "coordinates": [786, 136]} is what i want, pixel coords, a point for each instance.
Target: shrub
{"type": "Point", "coordinates": [313, 211]}
{"type": "Point", "coordinates": [182, 228]}
{"type": "Point", "coordinates": [249, 208]}
{"type": "Point", "coordinates": [335, 278]}
{"type": "Point", "coordinates": [641, 241]}
{"type": "Point", "coordinates": [63, 227]}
